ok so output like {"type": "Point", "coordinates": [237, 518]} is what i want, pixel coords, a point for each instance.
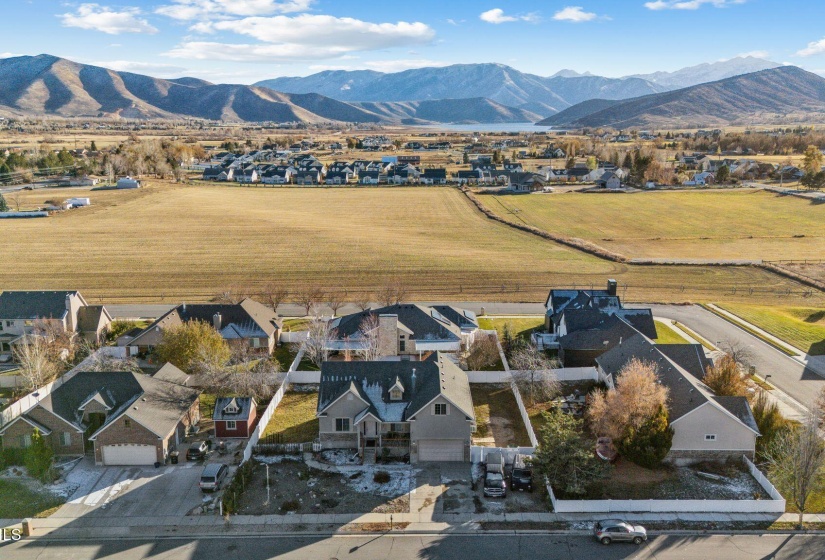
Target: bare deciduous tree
{"type": "Point", "coordinates": [309, 297]}
{"type": "Point", "coordinates": [104, 362]}
{"type": "Point", "coordinates": [335, 300]}
{"type": "Point", "coordinates": [36, 365]}
{"type": "Point", "coordinates": [316, 346]}
{"type": "Point", "coordinates": [483, 352]}
{"type": "Point", "coordinates": [533, 373]}
{"type": "Point", "coordinates": [368, 331]}
{"type": "Point", "coordinates": [796, 461]}
{"type": "Point", "coordinates": [394, 292]}
{"type": "Point", "coordinates": [363, 301]}
{"type": "Point", "coordinates": [275, 295]}
{"type": "Point", "coordinates": [741, 353]}
{"type": "Point", "coordinates": [635, 400]}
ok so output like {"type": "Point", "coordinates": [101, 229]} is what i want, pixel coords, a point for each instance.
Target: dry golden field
{"type": "Point", "coordinates": [170, 242]}
{"type": "Point", "coordinates": [721, 225]}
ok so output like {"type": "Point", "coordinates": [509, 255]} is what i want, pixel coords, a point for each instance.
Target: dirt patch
{"type": "Point", "coordinates": [297, 489]}
{"type": "Point", "coordinates": [630, 473]}
{"type": "Point", "coordinates": [499, 423]}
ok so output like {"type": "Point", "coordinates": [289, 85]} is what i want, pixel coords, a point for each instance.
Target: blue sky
{"type": "Point", "coordinates": [244, 41]}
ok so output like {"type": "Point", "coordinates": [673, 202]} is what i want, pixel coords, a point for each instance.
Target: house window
{"type": "Point", "coordinates": [9, 323]}
{"type": "Point", "coordinates": [127, 423]}
{"type": "Point", "coordinates": [230, 425]}
{"type": "Point", "coordinates": [342, 424]}
{"type": "Point", "coordinates": [710, 437]}
{"type": "Point", "coordinates": [256, 342]}
{"type": "Point", "coordinates": [402, 345]}
{"type": "Point", "coordinates": [66, 439]}
{"type": "Point", "coordinates": [28, 323]}
{"type": "Point", "coordinates": [440, 409]}
{"type": "Point", "coordinates": [395, 395]}
{"type": "Point", "coordinates": [26, 440]}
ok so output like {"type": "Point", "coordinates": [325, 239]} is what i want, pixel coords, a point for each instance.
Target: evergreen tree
{"type": "Point", "coordinates": [39, 456]}
{"type": "Point", "coordinates": [4, 207]}
{"type": "Point", "coordinates": [93, 146]}
{"type": "Point", "coordinates": [649, 445]}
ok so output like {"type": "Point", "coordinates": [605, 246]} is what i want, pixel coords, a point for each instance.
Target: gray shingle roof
{"type": "Point", "coordinates": [420, 320]}
{"type": "Point", "coordinates": [243, 404]}
{"type": "Point", "coordinates": [34, 304]}
{"type": "Point", "coordinates": [434, 376]}
{"type": "Point", "coordinates": [608, 329]}
{"type": "Point", "coordinates": [739, 407]}
{"type": "Point", "coordinates": [88, 317]}
{"type": "Point", "coordinates": [691, 357]}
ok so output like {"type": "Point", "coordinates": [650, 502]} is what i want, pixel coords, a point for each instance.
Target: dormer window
{"type": "Point", "coordinates": [231, 407]}
{"type": "Point", "coordinates": [397, 391]}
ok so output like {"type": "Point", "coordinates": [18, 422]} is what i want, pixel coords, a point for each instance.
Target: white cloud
{"type": "Point", "coordinates": [9, 55]}
{"type": "Point", "coordinates": [813, 48]}
{"type": "Point", "coordinates": [150, 68]}
{"type": "Point", "coordinates": [497, 16]}
{"type": "Point", "coordinates": [576, 14]}
{"type": "Point", "coordinates": [107, 20]}
{"type": "Point", "coordinates": [689, 4]}
{"type": "Point", "coordinates": [303, 37]}
{"type": "Point", "coordinates": [187, 10]}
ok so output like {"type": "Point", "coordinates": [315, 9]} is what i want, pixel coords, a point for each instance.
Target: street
{"type": "Point", "coordinates": [787, 374]}
{"type": "Point", "coordinates": [424, 547]}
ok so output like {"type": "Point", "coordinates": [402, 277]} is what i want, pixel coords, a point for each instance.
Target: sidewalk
{"type": "Point", "coordinates": [424, 522]}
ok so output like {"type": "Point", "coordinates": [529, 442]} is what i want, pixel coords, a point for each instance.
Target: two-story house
{"type": "Point", "coordinates": [421, 409]}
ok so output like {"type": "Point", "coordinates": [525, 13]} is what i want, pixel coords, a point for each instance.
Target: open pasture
{"type": "Point", "coordinates": [173, 242]}
{"type": "Point", "coordinates": [708, 224]}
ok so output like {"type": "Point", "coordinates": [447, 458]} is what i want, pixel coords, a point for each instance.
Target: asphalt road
{"type": "Point", "coordinates": [421, 547]}
{"type": "Point", "coordinates": [791, 376]}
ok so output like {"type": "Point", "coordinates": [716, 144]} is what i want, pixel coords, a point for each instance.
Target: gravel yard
{"type": "Point", "coordinates": [297, 488]}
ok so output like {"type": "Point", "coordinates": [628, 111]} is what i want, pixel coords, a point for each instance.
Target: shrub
{"type": "Point", "coordinates": [38, 458]}
{"type": "Point", "coordinates": [290, 505]}
{"type": "Point", "coordinates": [649, 445]}
{"type": "Point", "coordinates": [381, 477]}
{"type": "Point", "coordinates": [725, 378]}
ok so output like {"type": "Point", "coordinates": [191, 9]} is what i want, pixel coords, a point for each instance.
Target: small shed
{"type": "Point", "coordinates": [234, 417]}
{"type": "Point", "coordinates": [128, 183]}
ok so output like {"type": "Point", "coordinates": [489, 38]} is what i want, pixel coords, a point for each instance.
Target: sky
{"type": "Point", "coordinates": [245, 41]}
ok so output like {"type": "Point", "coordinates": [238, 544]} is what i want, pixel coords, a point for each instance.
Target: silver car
{"type": "Point", "coordinates": [610, 530]}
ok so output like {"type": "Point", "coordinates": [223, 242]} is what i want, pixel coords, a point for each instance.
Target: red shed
{"type": "Point", "coordinates": [235, 417]}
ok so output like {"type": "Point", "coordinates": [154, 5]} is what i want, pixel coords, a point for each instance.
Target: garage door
{"type": "Point", "coordinates": [441, 450]}
{"type": "Point", "coordinates": [131, 454]}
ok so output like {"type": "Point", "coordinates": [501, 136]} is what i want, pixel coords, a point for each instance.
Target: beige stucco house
{"type": "Point", "coordinates": [418, 408]}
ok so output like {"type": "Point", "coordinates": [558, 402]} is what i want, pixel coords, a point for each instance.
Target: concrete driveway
{"type": "Point", "coordinates": [171, 490]}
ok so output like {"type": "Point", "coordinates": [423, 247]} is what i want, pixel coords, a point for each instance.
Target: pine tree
{"type": "Point", "coordinates": [39, 456]}
{"type": "Point", "coordinates": [4, 207]}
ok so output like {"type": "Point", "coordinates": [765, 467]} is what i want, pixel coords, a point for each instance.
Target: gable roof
{"type": "Point", "coordinates": [171, 374]}
{"type": "Point", "coordinates": [423, 381]}
{"type": "Point", "coordinates": [603, 331]}
{"type": "Point", "coordinates": [243, 404]}
{"type": "Point", "coordinates": [35, 304]}
{"type": "Point", "coordinates": [241, 320]}
{"type": "Point", "coordinates": [89, 316]}
{"type": "Point", "coordinates": [691, 357]}
{"type": "Point", "coordinates": [422, 323]}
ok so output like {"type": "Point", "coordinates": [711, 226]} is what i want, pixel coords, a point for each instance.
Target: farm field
{"type": "Point", "coordinates": [172, 242]}
{"type": "Point", "coordinates": [803, 327]}
{"type": "Point", "coordinates": [718, 225]}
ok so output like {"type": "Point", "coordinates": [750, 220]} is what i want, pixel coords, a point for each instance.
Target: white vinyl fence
{"type": "Point", "coordinates": [11, 381]}
{"type": "Point", "coordinates": [524, 416]}
{"type": "Point", "coordinates": [478, 454]}
{"type": "Point", "coordinates": [775, 505]}
{"type": "Point", "coordinates": [488, 376]}
{"type": "Point", "coordinates": [308, 377]}
{"type": "Point", "coordinates": [265, 417]}
{"type": "Point", "coordinates": [26, 402]}
{"type": "Point", "coordinates": [295, 336]}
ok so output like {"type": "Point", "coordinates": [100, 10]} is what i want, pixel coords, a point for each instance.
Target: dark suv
{"type": "Point", "coordinates": [521, 477]}
{"type": "Point", "coordinates": [197, 451]}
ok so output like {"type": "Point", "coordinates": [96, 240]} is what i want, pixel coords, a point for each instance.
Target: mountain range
{"type": "Point", "coordinates": [464, 93]}
{"type": "Point", "coordinates": [780, 95]}
{"type": "Point", "coordinates": [506, 85]}
{"type": "Point", "coordinates": [49, 85]}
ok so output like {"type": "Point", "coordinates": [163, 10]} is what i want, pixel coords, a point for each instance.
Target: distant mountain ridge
{"type": "Point", "coordinates": [781, 95]}
{"type": "Point", "coordinates": [506, 85]}
{"type": "Point", "coordinates": [49, 85]}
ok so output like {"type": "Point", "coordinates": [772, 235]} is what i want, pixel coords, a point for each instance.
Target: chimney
{"type": "Point", "coordinates": [412, 382]}
{"type": "Point", "coordinates": [184, 307]}
{"type": "Point", "coordinates": [612, 287]}
{"type": "Point", "coordinates": [216, 321]}
{"type": "Point", "coordinates": [620, 340]}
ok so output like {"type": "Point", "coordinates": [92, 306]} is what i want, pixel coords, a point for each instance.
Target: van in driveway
{"type": "Point", "coordinates": [212, 477]}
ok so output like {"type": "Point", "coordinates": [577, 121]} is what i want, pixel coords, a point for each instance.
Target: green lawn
{"type": "Point", "coordinates": [285, 355]}
{"type": "Point", "coordinates": [18, 501]}
{"type": "Point", "coordinates": [294, 420]}
{"type": "Point", "coordinates": [295, 324]}
{"type": "Point", "coordinates": [497, 415]}
{"type": "Point", "coordinates": [667, 335]}
{"type": "Point", "coordinates": [207, 405]}
{"type": "Point", "coordinates": [521, 326]}
{"type": "Point", "coordinates": [802, 327]}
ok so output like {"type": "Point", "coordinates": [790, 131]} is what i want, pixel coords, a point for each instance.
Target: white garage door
{"type": "Point", "coordinates": [131, 454]}
{"type": "Point", "coordinates": [441, 450]}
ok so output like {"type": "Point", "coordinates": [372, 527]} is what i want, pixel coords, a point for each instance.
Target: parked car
{"type": "Point", "coordinates": [494, 462]}
{"type": "Point", "coordinates": [197, 451]}
{"type": "Point", "coordinates": [212, 477]}
{"type": "Point", "coordinates": [610, 530]}
{"type": "Point", "coordinates": [494, 485]}
{"type": "Point", "coordinates": [521, 477]}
